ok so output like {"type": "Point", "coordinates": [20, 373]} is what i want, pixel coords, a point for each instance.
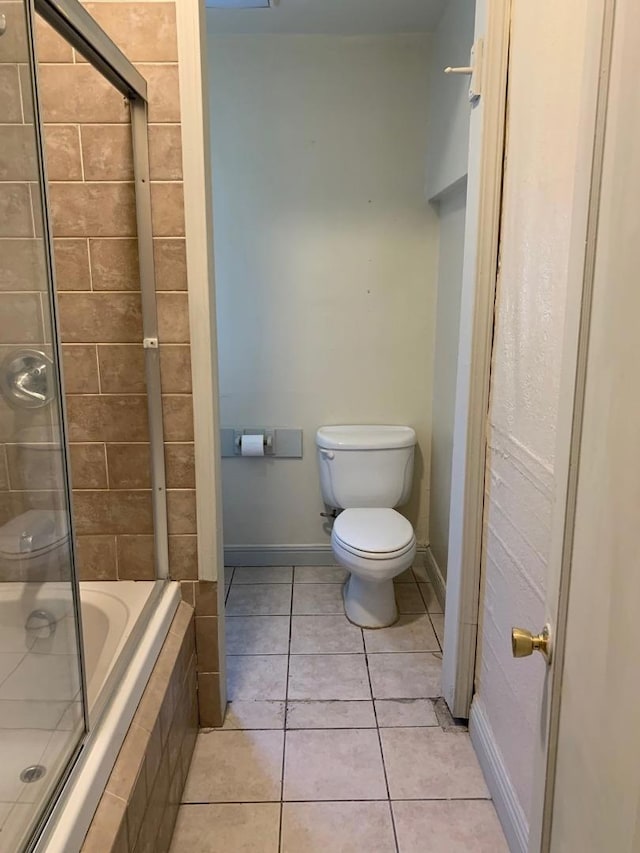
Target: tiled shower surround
{"type": "Point", "coordinates": [91, 193]}
{"type": "Point", "coordinates": [90, 170]}
{"type": "Point", "coordinates": [138, 809]}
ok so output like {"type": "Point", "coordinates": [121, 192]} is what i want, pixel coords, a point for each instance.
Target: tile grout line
{"type": "Point", "coordinates": [384, 766]}
{"type": "Point", "coordinates": [228, 590]}
{"type": "Point", "coordinates": [286, 708]}
{"type": "Point", "coordinates": [361, 800]}
{"type": "Point", "coordinates": [426, 604]}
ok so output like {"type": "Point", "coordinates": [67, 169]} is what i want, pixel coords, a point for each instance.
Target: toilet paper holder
{"type": "Point", "coordinates": [279, 442]}
{"type": "Point", "coordinates": [267, 440]}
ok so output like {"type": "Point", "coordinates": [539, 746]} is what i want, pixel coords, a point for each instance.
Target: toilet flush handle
{"type": "Point", "coordinates": [327, 454]}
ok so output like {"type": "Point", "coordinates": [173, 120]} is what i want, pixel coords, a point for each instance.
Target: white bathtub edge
{"type": "Point", "coordinates": [72, 815]}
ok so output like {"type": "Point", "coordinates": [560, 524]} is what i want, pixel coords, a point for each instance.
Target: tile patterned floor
{"type": "Point", "coordinates": [331, 742]}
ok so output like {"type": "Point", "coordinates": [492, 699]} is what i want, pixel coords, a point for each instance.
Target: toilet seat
{"type": "Point", "coordinates": [373, 533]}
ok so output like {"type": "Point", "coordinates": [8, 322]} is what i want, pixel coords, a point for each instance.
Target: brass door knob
{"type": "Point", "coordinates": [524, 643]}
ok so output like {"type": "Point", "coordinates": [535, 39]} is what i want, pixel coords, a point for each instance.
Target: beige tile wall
{"type": "Point", "coordinates": [90, 168]}
{"type": "Point", "coordinates": [24, 315]}
{"type": "Point", "coordinates": [138, 809]}
{"type": "Point", "coordinates": [89, 163]}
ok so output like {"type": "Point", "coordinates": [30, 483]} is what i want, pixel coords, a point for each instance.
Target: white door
{"type": "Point", "coordinates": [594, 804]}
{"type": "Point", "coordinates": [484, 181]}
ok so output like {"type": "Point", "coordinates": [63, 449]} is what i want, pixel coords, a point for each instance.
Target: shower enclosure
{"type": "Point", "coordinates": [64, 642]}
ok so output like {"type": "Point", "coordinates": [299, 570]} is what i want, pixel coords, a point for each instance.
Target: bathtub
{"type": "Point", "coordinates": [124, 626]}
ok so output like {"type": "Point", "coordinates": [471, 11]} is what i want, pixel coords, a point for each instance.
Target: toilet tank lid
{"type": "Point", "coordinates": [365, 437]}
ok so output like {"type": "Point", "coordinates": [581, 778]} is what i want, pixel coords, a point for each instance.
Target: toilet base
{"type": "Point", "coordinates": [370, 604]}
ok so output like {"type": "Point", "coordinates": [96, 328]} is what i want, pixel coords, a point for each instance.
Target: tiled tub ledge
{"type": "Point", "coordinates": [138, 809]}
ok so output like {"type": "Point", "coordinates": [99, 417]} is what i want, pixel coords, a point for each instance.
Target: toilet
{"type": "Point", "coordinates": [366, 471]}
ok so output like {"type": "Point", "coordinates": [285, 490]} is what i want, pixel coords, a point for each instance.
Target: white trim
{"type": "Point", "coordinates": [503, 793]}
{"type": "Point", "coordinates": [436, 577]}
{"type": "Point", "coordinates": [486, 152]}
{"type": "Point", "coordinates": [581, 272]}
{"type": "Point", "coordinates": [285, 555]}
{"type": "Point", "coordinates": [198, 215]}
{"type": "Point", "coordinates": [73, 813]}
{"type": "Point", "coordinates": [279, 555]}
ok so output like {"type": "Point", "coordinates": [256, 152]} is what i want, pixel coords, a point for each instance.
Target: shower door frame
{"type": "Point", "coordinates": [78, 28]}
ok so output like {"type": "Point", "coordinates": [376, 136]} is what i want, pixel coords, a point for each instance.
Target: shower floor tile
{"type": "Point", "coordinates": [333, 743]}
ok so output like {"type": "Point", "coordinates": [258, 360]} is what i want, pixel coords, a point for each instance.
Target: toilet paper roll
{"type": "Point", "coordinates": [252, 445]}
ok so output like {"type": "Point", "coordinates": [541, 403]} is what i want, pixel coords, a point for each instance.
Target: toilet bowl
{"type": "Point", "coordinates": [366, 471]}
{"type": "Point", "coordinates": [375, 545]}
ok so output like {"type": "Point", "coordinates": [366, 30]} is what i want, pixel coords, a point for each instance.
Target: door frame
{"type": "Point", "coordinates": [581, 274]}
{"type": "Point", "coordinates": [480, 272]}
{"type": "Point", "coordinates": [191, 29]}
{"type": "Point", "coordinates": [474, 360]}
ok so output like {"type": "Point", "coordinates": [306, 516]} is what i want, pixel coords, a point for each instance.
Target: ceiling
{"type": "Point", "coordinates": [342, 17]}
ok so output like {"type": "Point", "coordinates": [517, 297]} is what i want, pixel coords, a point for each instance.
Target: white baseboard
{"type": "Point", "coordinates": [436, 577]}
{"type": "Point", "coordinates": [278, 555]}
{"type": "Point", "coordinates": [512, 817]}
{"type": "Point", "coordinates": [284, 555]}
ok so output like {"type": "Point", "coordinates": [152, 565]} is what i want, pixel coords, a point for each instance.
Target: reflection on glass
{"type": "Point", "coordinates": [41, 710]}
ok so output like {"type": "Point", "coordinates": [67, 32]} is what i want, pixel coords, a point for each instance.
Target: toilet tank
{"type": "Point", "coordinates": [362, 466]}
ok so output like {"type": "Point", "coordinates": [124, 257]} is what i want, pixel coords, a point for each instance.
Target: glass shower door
{"type": "Point", "coordinates": [42, 717]}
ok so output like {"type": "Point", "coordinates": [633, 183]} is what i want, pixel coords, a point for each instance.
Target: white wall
{"type": "Point", "coordinates": [325, 258]}
{"type": "Point", "coordinates": [448, 142]}
{"type": "Point", "coordinates": [522, 474]}
{"type": "Point", "coordinates": [451, 213]}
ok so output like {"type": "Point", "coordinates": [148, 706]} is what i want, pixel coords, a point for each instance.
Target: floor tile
{"type": "Point", "coordinates": [411, 633]}
{"type": "Point", "coordinates": [331, 715]}
{"type": "Point", "coordinates": [257, 635]}
{"type": "Point", "coordinates": [263, 574]}
{"type": "Point", "coordinates": [408, 598]}
{"type": "Point", "coordinates": [72, 717]}
{"type": "Point", "coordinates": [41, 677]}
{"type": "Point", "coordinates": [334, 765]}
{"type": "Point", "coordinates": [454, 826]}
{"type": "Point", "coordinates": [437, 621]}
{"type": "Point", "coordinates": [238, 827]}
{"type": "Point", "coordinates": [320, 574]}
{"type": "Point", "coordinates": [14, 825]}
{"type": "Point", "coordinates": [428, 763]}
{"type": "Point", "coordinates": [392, 713]}
{"type": "Point", "coordinates": [328, 677]}
{"type": "Point", "coordinates": [337, 827]}
{"type": "Point", "coordinates": [19, 748]}
{"type": "Point", "coordinates": [257, 677]}
{"type": "Point", "coordinates": [420, 573]}
{"type": "Point", "coordinates": [235, 767]}
{"type": "Point", "coordinates": [414, 675]}
{"type": "Point", "coordinates": [54, 757]}
{"type": "Point", "coordinates": [228, 573]}
{"type": "Point", "coordinates": [317, 598]}
{"type": "Point", "coordinates": [429, 597]}
{"type": "Point", "coordinates": [9, 662]}
{"type": "Point", "coordinates": [313, 635]}
{"type": "Point", "coordinates": [405, 577]}
{"type": "Point", "coordinates": [15, 714]}
{"type": "Point", "coordinates": [259, 600]}
{"type": "Point", "coordinates": [254, 714]}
